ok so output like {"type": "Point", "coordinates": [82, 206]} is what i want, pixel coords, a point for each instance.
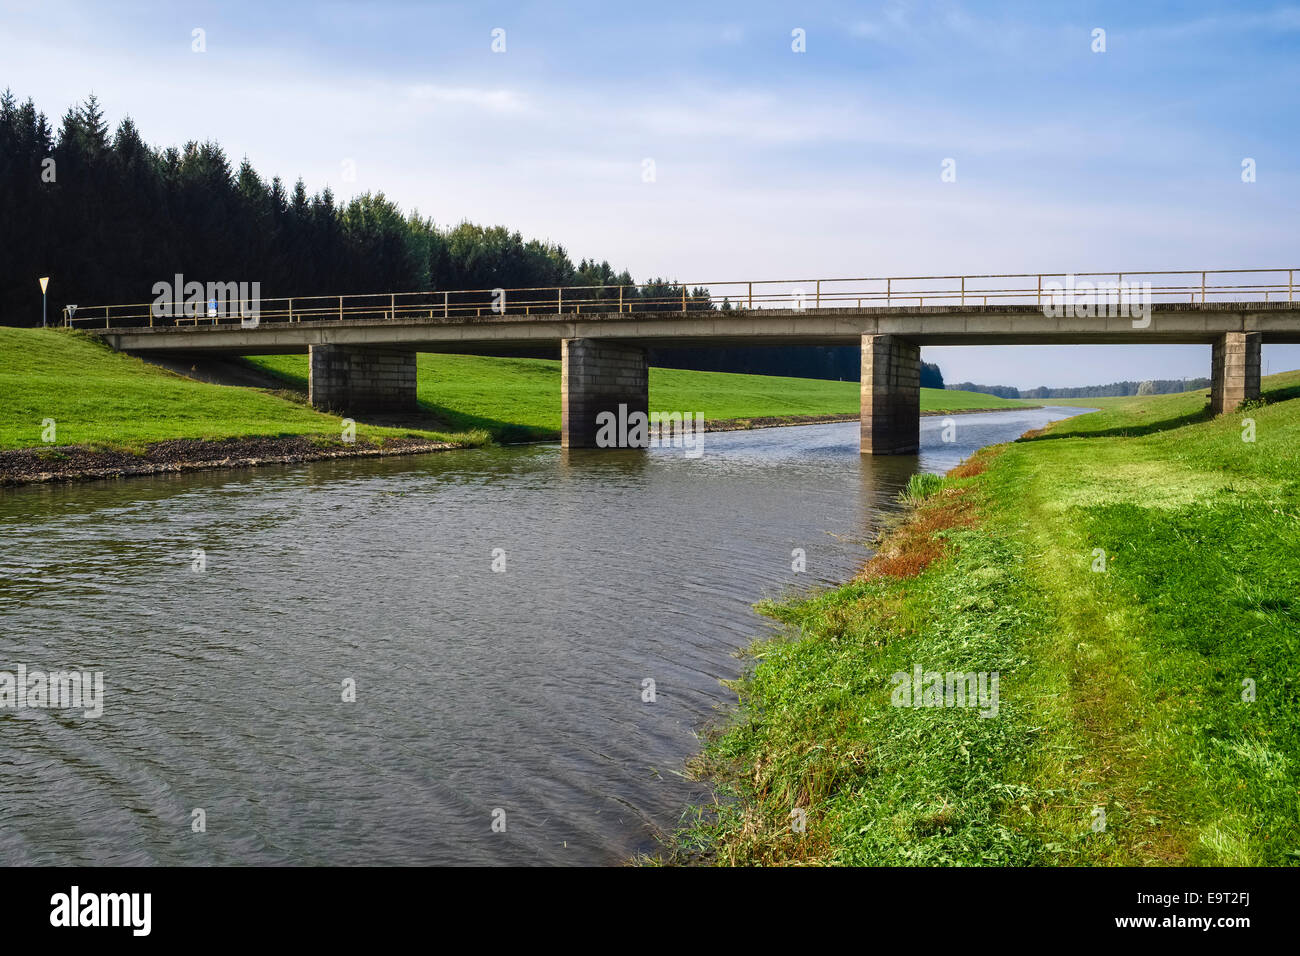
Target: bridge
{"type": "Point", "coordinates": [362, 347]}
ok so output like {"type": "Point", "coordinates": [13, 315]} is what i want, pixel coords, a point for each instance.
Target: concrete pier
{"type": "Point", "coordinates": [891, 396]}
{"type": "Point", "coordinates": [1234, 370]}
{"type": "Point", "coordinates": [598, 375]}
{"type": "Point", "coordinates": [351, 379]}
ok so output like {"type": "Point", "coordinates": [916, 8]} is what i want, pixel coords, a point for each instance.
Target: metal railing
{"type": "Point", "coordinates": [1038, 289]}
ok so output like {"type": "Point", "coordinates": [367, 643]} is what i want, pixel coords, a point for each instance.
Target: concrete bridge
{"type": "Point", "coordinates": [362, 348]}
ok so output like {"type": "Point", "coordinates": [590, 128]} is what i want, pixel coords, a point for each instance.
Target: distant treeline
{"type": "Point", "coordinates": [834, 362]}
{"type": "Point", "coordinates": [1150, 387]}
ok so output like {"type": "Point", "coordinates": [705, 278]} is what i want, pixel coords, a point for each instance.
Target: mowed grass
{"type": "Point", "coordinates": [1100, 402]}
{"type": "Point", "coordinates": [520, 398]}
{"type": "Point", "coordinates": [99, 397]}
{"type": "Point", "coordinates": [1133, 576]}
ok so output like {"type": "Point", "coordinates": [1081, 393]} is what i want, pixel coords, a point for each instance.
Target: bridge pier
{"type": "Point", "coordinates": [598, 375]}
{"type": "Point", "coordinates": [1234, 370]}
{"type": "Point", "coordinates": [891, 396]}
{"type": "Point", "coordinates": [354, 378]}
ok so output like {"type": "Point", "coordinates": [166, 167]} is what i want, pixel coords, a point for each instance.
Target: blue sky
{"type": "Point", "coordinates": [768, 163]}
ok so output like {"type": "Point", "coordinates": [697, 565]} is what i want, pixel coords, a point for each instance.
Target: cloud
{"type": "Point", "coordinates": [493, 101]}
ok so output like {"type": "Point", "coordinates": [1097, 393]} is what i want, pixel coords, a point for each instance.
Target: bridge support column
{"type": "Point", "coordinates": [1234, 370]}
{"type": "Point", "coordinates": [891, 396]}
{"type": "Point", "coordinates": [599, 376]}
{"type": "Point", "coordinates": [354, 378]}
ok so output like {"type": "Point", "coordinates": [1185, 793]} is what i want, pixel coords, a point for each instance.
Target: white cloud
{"type": "Point", "coordinates": [495, 101]}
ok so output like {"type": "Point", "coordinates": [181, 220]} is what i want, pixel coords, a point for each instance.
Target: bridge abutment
{"type": "Point", "coordinates": [354, 379]}
{"type": "Point", "coordinates": [1234, 370]}
{"type": "Point", "coordinates": [598, 376]}
{"type": "Point", "coordinates": [891, 396]}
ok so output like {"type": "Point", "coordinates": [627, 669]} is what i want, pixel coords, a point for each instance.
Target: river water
{"type": "Point", "coordinates": [481, 696]}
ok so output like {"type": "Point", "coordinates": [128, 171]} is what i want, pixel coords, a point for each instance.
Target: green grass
{"type": "Point", "coordinates": [955, 400]}
{"type": "Point", "coordinates": [1122, 689]}
{"type": "Point", "coordinates": [99, 397]}
{"type": "Point", "coordinates": [1113, 401]}
{"type": "Point", "coordinates": [518, 399]}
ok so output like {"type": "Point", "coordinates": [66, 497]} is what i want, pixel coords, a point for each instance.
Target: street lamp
{"type": "Point", "coordinates": [45, 284]}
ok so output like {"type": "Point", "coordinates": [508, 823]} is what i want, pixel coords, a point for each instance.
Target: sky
{"type": "Point", "coordinates": [767, 162]}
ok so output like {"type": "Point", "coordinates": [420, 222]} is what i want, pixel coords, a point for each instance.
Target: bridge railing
{"type": "Point", "coordinates": [1038, 289]}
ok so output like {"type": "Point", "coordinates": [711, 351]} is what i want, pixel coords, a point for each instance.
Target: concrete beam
{"type": "Point", "coordinates": [891, 396]}
{"type": "Point", "coordinates": [1234, 370]}
{"type": "Point", "coordinates": [356, 379]}
{"type": "Point", "coordinates": [599, 376]}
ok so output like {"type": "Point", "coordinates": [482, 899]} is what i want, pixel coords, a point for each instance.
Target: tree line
{"type": "Point", "coordinates": [835, 362]}
{"type": "Point", "coordinates": [1114, 389]}
{"type": "Point", "coordinates": [107, 216]}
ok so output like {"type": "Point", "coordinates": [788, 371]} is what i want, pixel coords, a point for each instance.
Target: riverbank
{"type": "Point", "coordinates": [72, 409]}
{"type": "Point", "coordinates": [781, 421]}
{"type": "Point", "coordinates": [58, 463]}
{"type": "Point", "coordinates": [80, 463]}
{"type": "Point", "coordinates": [1130, 578]}
{"type": "Point", "coordinates": [63, 388]}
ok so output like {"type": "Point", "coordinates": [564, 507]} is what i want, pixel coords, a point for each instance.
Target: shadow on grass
{"type": "Point", "coordinates": [1150, 428]}
{"type": "Point", "coordinates": [504, 432]}
{"type": "Point", "coordinates": [436, 418]}
{"type": "Point", "coordinates": [1284, 394]}
{"type": "Point", "coordinates": [429, 417]}
{"type": "Point", "coordinates": [1270, 396]}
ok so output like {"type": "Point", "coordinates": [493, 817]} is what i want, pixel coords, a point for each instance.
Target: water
{"type": "Point", "coordinates": [476, 691]}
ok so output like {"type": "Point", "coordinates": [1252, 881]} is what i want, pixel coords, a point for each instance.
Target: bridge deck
{"type": "Point", "coordinates": [362, 347]}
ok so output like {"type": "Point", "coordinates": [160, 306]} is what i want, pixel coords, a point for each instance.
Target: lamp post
{"type": "Point", "coordinates": [45, 284]}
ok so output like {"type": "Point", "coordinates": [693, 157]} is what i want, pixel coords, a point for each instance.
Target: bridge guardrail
{"type": "Point", "coordinates": [1040, 289]}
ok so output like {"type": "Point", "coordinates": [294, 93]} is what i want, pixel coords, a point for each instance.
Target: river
{"type": "Point", "coordinates": [482, 696]}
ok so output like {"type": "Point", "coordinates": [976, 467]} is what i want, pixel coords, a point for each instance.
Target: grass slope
{"type": "Point", "coordinates": [519, 398]}
{"type": "Point", "coordinates": [1125, 692]}
{"type": "Point", "coordinates": [99, 397]}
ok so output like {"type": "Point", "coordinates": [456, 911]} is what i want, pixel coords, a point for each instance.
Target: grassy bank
{"type": "Point", "coordinates": [102, 398]}
{"type": "Point", "coordinates": [1125, 731]}
{"type": "Point", "coordinates": [518, 399]}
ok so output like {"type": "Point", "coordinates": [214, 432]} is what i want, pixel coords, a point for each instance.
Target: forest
{"type": "Point", "coordinates": [107, 216]}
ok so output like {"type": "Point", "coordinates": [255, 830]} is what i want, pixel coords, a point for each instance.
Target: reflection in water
{"type": "Point", "coordinates": [475, 690]}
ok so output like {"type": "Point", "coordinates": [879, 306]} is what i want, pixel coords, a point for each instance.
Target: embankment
{"type": "Point", "coordinates": [78, 463]}
{"type": "Point", "coordinates": [1129, 576]}
{"type": "Point", "coordinates": [72, 409]}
